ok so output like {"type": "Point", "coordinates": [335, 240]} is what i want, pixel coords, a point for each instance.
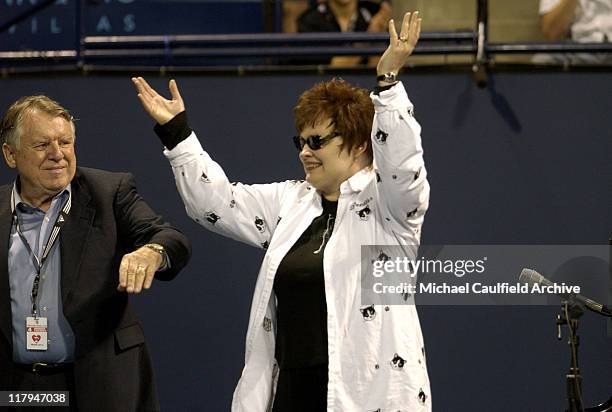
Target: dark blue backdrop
{"type": "Point", "coordinates": [54, 28]}
{"type": "Point", "coordinates": [530, 163]}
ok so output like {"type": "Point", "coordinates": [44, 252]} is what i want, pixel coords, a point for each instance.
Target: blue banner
{"type": "Point", "coordinates": [54, 27]}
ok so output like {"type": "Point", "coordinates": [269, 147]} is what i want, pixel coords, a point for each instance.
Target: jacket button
{"type": "Point", "coordinates": [387, 308]}
{"type": "Point", "coordinates": [377, 366]}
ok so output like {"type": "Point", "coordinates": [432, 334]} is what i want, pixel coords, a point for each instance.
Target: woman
{"type": "Point", "coordinates": [310, 344]}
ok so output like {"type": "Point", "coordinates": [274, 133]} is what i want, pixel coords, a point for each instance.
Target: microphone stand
{"type": "Point", "coordinates": [570, 316]}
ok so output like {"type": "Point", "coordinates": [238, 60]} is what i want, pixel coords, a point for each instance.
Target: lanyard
{"type": "Point", "coordinates": [40, 262]}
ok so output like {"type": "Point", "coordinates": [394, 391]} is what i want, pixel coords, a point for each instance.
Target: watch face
{"type": "Point", "coordinates": [389, 77]}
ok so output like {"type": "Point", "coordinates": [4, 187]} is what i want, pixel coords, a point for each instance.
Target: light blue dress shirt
{"type": "Point", "coordinates": [36, 226]}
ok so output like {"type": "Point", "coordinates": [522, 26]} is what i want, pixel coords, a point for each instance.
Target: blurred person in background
{"type": "Point", "coordinates": [583, 21]}
{"type": "Point", "coordinates": [345, 16]}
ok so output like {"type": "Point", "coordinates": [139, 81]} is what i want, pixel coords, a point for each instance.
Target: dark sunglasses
{"type": "Point", "coordinates": [315, 142]}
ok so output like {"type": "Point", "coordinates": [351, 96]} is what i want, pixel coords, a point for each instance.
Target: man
{"type": "Point", "coordinates": [73, 241]}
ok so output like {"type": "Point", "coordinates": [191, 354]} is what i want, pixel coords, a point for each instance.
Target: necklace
{"type": "Point", "coordinates": [326, 234]}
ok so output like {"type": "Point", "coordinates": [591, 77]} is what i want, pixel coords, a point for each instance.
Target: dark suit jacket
{"type": "Point", "coordinates": [108, 219]}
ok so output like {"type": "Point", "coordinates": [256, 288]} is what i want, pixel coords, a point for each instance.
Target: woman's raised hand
{"type": "Point", "coordinates": [400, 47]}
{"type": "Point", "coordinates": [159, 108]}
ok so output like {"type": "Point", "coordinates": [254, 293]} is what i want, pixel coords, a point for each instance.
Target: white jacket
{"type": "Point", "coordinates": [376, 358]}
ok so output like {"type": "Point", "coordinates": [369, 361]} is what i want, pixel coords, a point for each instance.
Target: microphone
{"type": "Point", "coordinates": [531, 277]}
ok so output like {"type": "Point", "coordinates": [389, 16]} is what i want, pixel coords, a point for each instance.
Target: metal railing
{"type": "Point", "coordinates": [190, 50]}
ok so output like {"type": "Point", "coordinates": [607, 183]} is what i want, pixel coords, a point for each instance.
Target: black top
{"type": "Point", "coordinates": [301, 335]}
{"type": "Point", "coordinates": [321, 19]}
{"type": "Point", "coordinates": [175, 131]}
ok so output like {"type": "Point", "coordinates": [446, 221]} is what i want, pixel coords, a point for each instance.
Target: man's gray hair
{"type": "Point", "coordinates": [10, 128]}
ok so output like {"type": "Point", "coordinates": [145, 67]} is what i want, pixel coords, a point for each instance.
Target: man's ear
{"type": "Point", "coordinates": [9, 156]}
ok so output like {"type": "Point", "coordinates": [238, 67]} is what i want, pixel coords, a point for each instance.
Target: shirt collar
{"type": "Point", "coordinates": [358, 181]}
{"type": "Point", "coordinates": [16, 197]}
{"type": "Point", "coordinates": [355, 183]}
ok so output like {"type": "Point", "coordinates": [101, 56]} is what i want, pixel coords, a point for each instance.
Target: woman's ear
{"type": "Point", "coordinates": [359, 150]}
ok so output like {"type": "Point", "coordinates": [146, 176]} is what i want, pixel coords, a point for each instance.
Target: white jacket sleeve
{"type": "Point", "coordinates": [403, 190]}
{"type": "Point", "coordinates": [247, 213]}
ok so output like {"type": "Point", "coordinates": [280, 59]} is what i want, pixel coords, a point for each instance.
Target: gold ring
{"type": "Point", "coordinates": [403, 39]}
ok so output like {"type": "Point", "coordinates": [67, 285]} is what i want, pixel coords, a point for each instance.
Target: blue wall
{"type": "Point", "coordinates": [54, 28]}
{"type": "Point", "coordinates": [529, 164]}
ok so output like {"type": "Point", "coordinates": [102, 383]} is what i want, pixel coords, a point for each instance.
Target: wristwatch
{"type": "Point", "coordinates": [389, 77]}
{"type": "Point", "coordinates": [156, 247]}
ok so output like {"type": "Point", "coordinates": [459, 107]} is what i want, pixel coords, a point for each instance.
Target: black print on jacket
{"type": "Point", "coordinates": [368, 312]}
{"type": "Point", "coordinates": [278, 220]}
{"type": "Point", "coordinates": [204, 178]}
{"type": "Point", "coordinates": [411, 267]}
{"type": "Point", "coordinates": [211, 217]}
{"type": "Point", "coordinates": [382, 256]}
{"type": "Point", "coordinates": [397, 363]}
{"type": "Point", "coordinates": [410, 214]}
{"type": "Point", "coordinates": [265, 245]}
{"type": "Point", "coordinates": [411, 111]}
{"type": "Point", "coordinates": [260, 224]}
{"type": "Point", "coordinates": [422, 396]}
{"type": "Point", "coordinates": [417, 174]}
{"type": "Point", "coordinates": [381, 137]}
{"type": "Point", "coordinates": [232, 203]}
{"type": "Point", "coordinates": [364, 214]}
{"type": "Point", "coordinates": [267, 324]}
{"type": "Point", "coordinates": [234, 183]}
{"type": "Point", "coordinates": [378, 180]}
